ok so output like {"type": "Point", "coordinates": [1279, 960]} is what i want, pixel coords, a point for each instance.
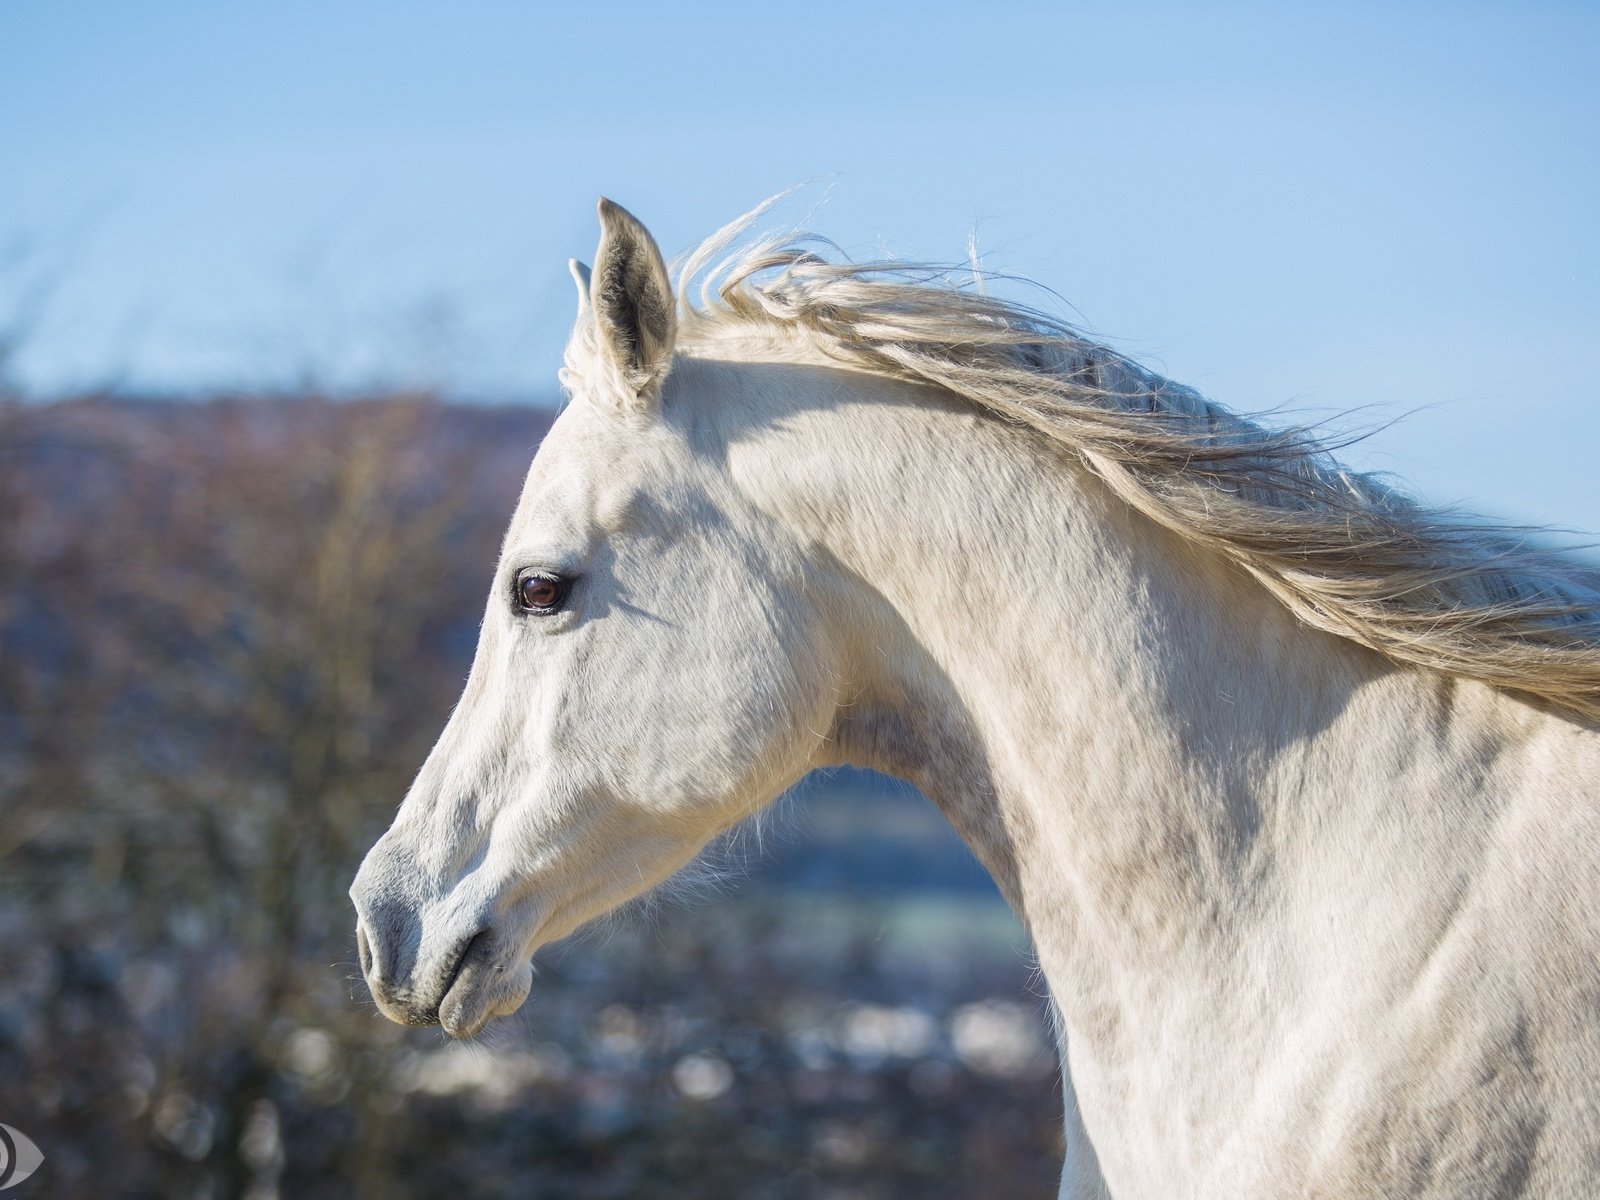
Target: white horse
{"type": "Point", "coordinates": [1292, 781]}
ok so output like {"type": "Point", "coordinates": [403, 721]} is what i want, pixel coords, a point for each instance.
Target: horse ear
{"type": "Point", "coordinates": [633, 302]}
{"type": "Point", "coordinates": [580, 276]}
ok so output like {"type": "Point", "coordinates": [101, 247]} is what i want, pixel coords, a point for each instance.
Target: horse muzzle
{"type": "Point", "coordinates": [455, 970]}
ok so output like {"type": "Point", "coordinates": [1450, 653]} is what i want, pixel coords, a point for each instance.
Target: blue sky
{"type": "Point", "coordinates": [1323, 207]}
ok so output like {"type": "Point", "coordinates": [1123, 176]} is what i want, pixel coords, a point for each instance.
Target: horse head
{"type": "Point", "coordinates": [651, 669]}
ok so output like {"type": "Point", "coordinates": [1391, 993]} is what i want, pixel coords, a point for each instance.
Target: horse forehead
{"type": "Point", "coordinates": [589, 468]}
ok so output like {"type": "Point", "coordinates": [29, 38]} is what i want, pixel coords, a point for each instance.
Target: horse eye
{"type": "Point", "coordinates": [541, 594]}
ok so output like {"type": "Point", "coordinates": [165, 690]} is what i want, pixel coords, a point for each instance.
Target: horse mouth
{"type": "Point", "coordinates": [460, 965]}
{"type": "Point", "coordinates": [481, 987]}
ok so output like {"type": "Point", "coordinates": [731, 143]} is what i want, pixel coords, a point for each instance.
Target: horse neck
{"type": "Point", "coordinates": [1136, 739]}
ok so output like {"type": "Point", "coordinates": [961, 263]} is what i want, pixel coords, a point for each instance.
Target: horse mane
{"type": "Point", "coordinates": [1345, 552]}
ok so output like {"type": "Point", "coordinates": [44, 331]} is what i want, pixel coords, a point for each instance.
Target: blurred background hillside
{"type": "Point", "coordinates": [282, 297]}
{"type": "Point", "coordinates": [229, 630]}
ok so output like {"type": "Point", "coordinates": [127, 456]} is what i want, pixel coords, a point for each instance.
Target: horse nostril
{"type": "Point", "coordinates": [363, 948]}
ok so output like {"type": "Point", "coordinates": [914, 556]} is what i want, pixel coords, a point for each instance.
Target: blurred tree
{"type": "Point", "coordinates": [228, 642]}
{"type": "Point", "coordinates": [229, 632]}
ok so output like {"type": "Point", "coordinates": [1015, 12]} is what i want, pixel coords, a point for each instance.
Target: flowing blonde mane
{"type": "Point", "coordinates": [1342, 550]}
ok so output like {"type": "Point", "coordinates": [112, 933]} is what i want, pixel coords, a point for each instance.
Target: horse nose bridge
{"type": "Point", "coordinates": [419, 856]}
